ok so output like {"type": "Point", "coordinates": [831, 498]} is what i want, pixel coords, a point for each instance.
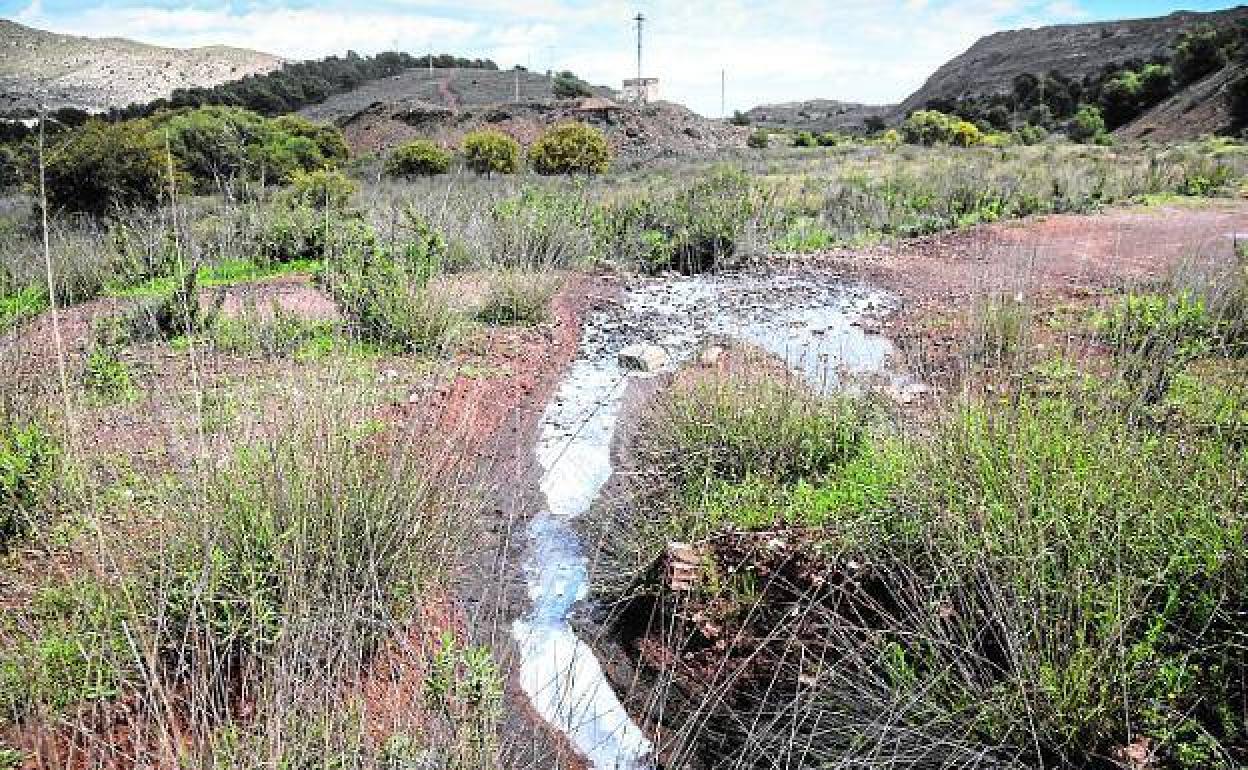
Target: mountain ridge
{"type": "Point", "coordinates": [40, 68]}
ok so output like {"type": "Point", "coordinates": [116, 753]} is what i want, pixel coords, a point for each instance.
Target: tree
{"type": "Point", "coordinates": [999, 117]}
{"type": "Point", "coordinates": [1120, 98]}
{"type": "Point", "coordinates": [570, 148]}
{"type": "Point", "coordinates": [418, 158]}
{"type": "Point", "coordinates": [1026, 89]}
{"type": "Point", "coordinates": [739, 118]}
{"type": "Point", "coordinates": [567, 85]}
{"type": "Point", "coordinates": [212, 144]}
{"type": "Point", "coordinates": [805, 139]}
{"type": "Point", "coordinates": [759, 139]}
{"type": "Point", "coordinates": [1088, 125]}
{"type": "Point", "coordinates": [874, 124]}
{"type": "Point", "coordinates": [1237, 100]}
{"type": "Point", "coordinates": [1198, 54]}
{"type": "Point", "coordinates": [488, 152]}
{"type": "Point", "coordinates": [1156, 84]}
{"type": "Point", "coordinates": [105, 166]}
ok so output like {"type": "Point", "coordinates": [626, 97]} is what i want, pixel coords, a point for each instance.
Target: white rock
{"type": "Point", "coordinates": [711, 355]}
{"type": "Point", "coordinates": [643, 358]}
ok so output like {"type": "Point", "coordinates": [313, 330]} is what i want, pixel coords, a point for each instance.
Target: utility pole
{"type": "Point", "coordinates": [723, 94]}
{"type": "Point", "coordinates": [640, 19]}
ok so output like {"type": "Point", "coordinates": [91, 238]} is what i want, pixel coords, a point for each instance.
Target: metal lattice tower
{"type": "Point", "coordinates": [640, 19]}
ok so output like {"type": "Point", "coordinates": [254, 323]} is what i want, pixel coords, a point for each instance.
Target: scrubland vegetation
{"type": "Point", "coordinates": [1051, 574]}
{"type": "Point", "coordinates": [222, 547]}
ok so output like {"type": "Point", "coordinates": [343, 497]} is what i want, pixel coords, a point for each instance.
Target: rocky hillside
{"type": "Point", "coordinates": [1199, 109]}
{"type": "Point", "coordinates": [817, 115]}
{"type": "Point", "coordinates": [44, 68]}
{"type": "Point", "coordinates": [990, 66]}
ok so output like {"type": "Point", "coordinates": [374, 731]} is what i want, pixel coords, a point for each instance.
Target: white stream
{"type": "Point", "coordinates": [806, 319]}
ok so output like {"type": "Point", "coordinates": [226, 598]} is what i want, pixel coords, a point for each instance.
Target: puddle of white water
{"type": "Point", "coordinates": [806, 321]}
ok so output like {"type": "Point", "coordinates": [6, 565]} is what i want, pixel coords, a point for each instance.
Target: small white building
{"type": "Point", "coordinates": [641, 90]}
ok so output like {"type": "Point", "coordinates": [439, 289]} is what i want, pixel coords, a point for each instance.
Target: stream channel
{"type": "Point", "coordinates": [808, 319]}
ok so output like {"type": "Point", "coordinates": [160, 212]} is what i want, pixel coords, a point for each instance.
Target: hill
{"type": "Point", "coordinates": [817, 115]}
{"type": "Point", "coordinates": [443, 105]}
{"type": "Point", "coordinates": [38, 67]}
{"type": "Point", "coordinates": [450, 88]}
{"type": "Point", "coordinates": [990, 65]}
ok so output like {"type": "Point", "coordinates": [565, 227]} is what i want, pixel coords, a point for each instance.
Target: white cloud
{"type": "Point", "coordinates": [30, 13]}
{"type": "Point", "coordinates": [854, 50]}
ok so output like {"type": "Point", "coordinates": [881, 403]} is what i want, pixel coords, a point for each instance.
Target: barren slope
{"type": "Point", "coordinates": [44, 68]}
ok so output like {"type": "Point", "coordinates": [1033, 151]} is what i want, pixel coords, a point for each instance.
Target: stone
{"type": "Point", "coordinates": [643, 358]}
{"type": "Point", "coordinates": [711, 356]}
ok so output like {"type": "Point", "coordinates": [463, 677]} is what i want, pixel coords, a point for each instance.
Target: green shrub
{"type": "Point", "coordinates": [221, 147]}
{"type": "Point", "coordinates": [28, 466]}
{"type": "Point", "coordinates": [691, 229]}
{"type": "Point", "coordinates": [517, 297]}
{"type": "Point", "coordinates": [830, 139]}
{"type": "Point", "coordinates": [20, 306]}
{"type": "Point", "coordinates": [570, 148]}
{"type": "Point", "coordinates": [275, 335]}
{"type": "Point", "coordinates": [418, 158]}
{"type": "Point", "coordinates": [805, 139]}
{"type": "Point", "coordinates": [1152, 323]}
{"type": "Point", "coordinates": [178, 312]}
{"type": "Point", "coordinates": [540, 228]}
{"type": "Point", "coordinates": [329, 140]}
{"type": "Point", "coordinates": [758, 139]}
{"type": "Point", "coordinates": [739, 118]}
{"type": "Point", "coordinates": [320, 190]}
{"type": "Point", "coordinates": [282, 157]}
{"type": "Point", "coordinates": [214, 145]}
{"type": "Point", "coordinates": [106, 375]}
{"type": "Point", "coordinates": [387, 302]}
{"type": "Point", "coordinates": [71, 649]}
{"type": "Point", "coordinates": [1031, 134]}
{"type": "Point", "coordinates": [104, 167]}
{"type": "Point", "coordinates": [735, 431]}
{"type": "Point", "coordinates": [1087, 125]}
{"type": "Point", "coordinates": [929, 127]}
{"type": "Point", "coordinates": [490, 152]}
{"type": "Point", "coordinates": [965, 134]}
{"type": "Point", "coordinates": [303, 556]}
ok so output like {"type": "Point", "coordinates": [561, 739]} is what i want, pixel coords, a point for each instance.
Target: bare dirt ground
{"type": "Point", "coordinates": [1052, 263]}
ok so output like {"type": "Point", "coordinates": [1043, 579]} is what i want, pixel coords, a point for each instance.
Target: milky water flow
{"type": "Point", "coordinates": [805, 319]}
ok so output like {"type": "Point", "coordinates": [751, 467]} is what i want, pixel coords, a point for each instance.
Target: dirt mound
{"type": "Point", "coordinates": [636, 134]}
{"type": "Point", "coordinates": [40, 68]}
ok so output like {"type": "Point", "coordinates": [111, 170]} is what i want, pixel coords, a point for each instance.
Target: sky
{"type": "Point", "coordinates": [873, 51]}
